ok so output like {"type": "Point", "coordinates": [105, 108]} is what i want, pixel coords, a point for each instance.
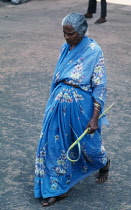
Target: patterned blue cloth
{"type": "Point", "coordinates": [67, 113]}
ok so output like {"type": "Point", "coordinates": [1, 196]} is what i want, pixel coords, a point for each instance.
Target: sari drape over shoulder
{"type": "Point", "coordinates": [67, 113]}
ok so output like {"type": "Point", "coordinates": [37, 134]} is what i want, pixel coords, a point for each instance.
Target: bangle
{"type": "Point", "coordinates": [97, 105]}
{"type": "Point", "coordinates": [96, 109]}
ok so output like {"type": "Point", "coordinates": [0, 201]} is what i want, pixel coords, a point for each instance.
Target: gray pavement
{"type": "Point", "coordinates": [30, 38]}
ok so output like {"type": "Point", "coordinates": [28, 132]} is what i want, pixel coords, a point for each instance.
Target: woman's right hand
{"type": "Point", "coordinates": [92, 125]}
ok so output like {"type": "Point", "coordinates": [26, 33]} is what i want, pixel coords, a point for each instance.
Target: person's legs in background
{"type": "Point", "coordinates": [102, 19]}
{"type": "Point", "coordinates": [91, 8]}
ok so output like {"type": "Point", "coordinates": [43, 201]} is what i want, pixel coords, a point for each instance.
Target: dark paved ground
{"type": "Point", "coordinates": [30, 38]}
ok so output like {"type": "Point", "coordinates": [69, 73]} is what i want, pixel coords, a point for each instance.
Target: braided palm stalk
{"type": "Point", "coordinates": [77, 141]}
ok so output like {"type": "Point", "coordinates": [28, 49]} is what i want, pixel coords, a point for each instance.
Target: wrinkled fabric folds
{"type": "Point", "coordinates": [67, 114]}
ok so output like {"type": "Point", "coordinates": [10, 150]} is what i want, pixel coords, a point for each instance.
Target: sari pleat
{"type": "Point", "coordinates": [66, 115]}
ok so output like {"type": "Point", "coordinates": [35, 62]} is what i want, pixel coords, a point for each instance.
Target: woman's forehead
{"type": "Point", "coordinates": [68, 28]}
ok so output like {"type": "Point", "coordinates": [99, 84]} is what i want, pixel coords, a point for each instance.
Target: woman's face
{"type": "Point", "coordinates": [72, 37]}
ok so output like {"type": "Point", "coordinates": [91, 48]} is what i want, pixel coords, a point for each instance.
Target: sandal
{"type": "Point", "coordinates": [102, 176]}
{"type": "Point", "coordinates": [49, 201]}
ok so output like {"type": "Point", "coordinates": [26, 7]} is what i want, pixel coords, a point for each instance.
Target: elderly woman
{"type": "Point", "coordinates": [77, 98]}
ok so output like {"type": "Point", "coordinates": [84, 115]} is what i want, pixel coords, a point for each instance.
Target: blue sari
{"type": "Point", "coordinates": [67, 114]}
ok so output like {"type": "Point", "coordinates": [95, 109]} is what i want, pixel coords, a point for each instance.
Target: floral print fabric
{"type": "Point", "coordinates": [67, 114]}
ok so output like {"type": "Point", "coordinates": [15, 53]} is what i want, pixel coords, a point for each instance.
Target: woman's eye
{"type": "Point", "coordinates": [68, 34]}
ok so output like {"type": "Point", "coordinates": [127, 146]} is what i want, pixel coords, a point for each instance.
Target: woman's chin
{"type": "Point", "coordinates": [69, 43]}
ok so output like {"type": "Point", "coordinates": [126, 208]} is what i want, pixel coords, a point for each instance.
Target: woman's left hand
{"type": "Point", "coordinates": [92, 125]}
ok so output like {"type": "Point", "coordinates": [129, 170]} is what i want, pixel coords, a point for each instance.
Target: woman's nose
{"type": "Point", "coordinates": [66, 36]}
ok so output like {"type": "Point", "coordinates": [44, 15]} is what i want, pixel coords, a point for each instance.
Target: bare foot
{"type": "Point", "coordinates": [49, 201]}
{"type": "Point", "coordinates": [102, 175]}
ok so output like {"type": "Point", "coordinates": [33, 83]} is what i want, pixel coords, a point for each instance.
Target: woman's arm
{"type": "Point", "coordinates": [93, 123]}
{"type": "Point", "coordinates": [98, 81]}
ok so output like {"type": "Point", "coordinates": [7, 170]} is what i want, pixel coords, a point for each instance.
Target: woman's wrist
{"type": "Point", "coordinates": [95, 115]}
{"type": "Point", "coordinates": [96, 110]}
